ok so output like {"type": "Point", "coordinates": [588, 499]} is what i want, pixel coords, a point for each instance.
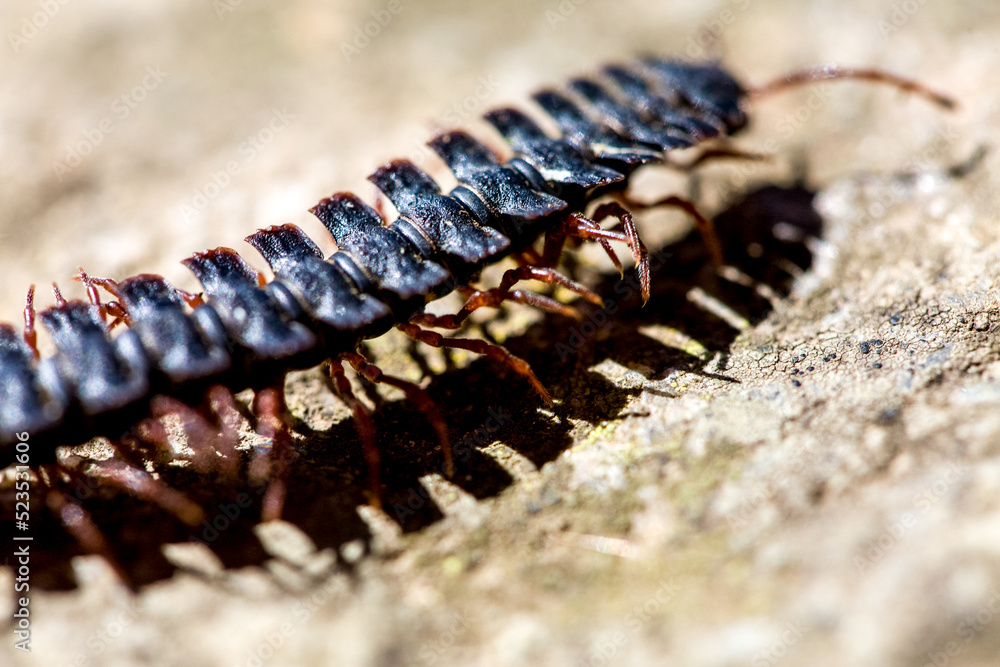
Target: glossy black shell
{"type": "Point", "coordinates": [249, 335]}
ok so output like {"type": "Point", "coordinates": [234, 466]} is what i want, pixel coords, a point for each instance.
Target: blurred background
{"type": "Point", "coordinates": [109, 167]}
{"type": "Point", "coordinates": [133, 134]}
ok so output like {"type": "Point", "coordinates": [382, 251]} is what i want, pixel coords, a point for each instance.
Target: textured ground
{"type": "Point", "coordinates": [805, 471]}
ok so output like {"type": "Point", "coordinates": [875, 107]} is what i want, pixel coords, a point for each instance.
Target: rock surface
{"type": "Point", "coordinates": [804, 470]}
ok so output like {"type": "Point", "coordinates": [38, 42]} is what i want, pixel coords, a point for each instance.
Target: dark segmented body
{"type": "Point", "coordinates": [249, 335]}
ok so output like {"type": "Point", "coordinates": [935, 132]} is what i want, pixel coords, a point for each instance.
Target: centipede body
{"type": "Point", "coordinates": [243, 334]}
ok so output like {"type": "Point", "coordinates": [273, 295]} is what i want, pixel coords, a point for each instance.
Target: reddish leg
{"type": "Point", "coordinates": [208, 431]}
{"type": "Point", "coordinates": [30, 335]}
{"type": "Point", "coordinates": [60, 301]}
{"type": "Point", "coordinates": [92, 294]}
{"type": "Point", "coordinates": [528, 257]}
{"type": "Point", "coordinates": [221, 404]}
{"type": "Point", "coordinates": [639, 253]}
{"type": "Point", "coordinates": [271, 463]}
{"type": "Point", "coordinates": [810, 75]}
{"type": "Point", "coordinates": [149, 439]}
{"type": "Point", "coordinates": [113, 308]}
{"type": "Point", "coordinates": [494, 297]}
{"type": "Point", "coordinates": [78, 523]}
{"type": "Point", "coordinates": [706, 228]}
{"type": "Point", "coordinates": [577, 226]}
{"type": "Point", "coordinates": [365, 427]}
{"type": "Point", "coordinates": [117, 312]}
{"type": "Point", "coordinates": [421, 399]}
{"type": "Point", "coordinates": [140, 483]}
{"type": "Point", "coordinates": [546, 275]}
{"type": "Point", "coordinates": [481, 347]}
{"type": "Point", "coordinates": [555, 240]}
{"type": "Point", "coordinates": [722, 153]}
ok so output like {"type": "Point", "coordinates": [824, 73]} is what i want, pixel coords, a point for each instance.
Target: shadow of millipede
{"type": "Point", "coordinates": [328, 475]}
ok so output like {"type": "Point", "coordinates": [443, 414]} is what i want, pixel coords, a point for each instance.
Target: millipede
{"type": "Point", "coordinates": [185, 355]}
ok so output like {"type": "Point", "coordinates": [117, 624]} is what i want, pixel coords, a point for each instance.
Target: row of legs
{"type": "Point", "coordinates": [211, 429]}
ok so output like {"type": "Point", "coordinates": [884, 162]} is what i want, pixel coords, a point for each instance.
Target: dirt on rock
{"type": "Point", "coordinates": [791, 460]}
